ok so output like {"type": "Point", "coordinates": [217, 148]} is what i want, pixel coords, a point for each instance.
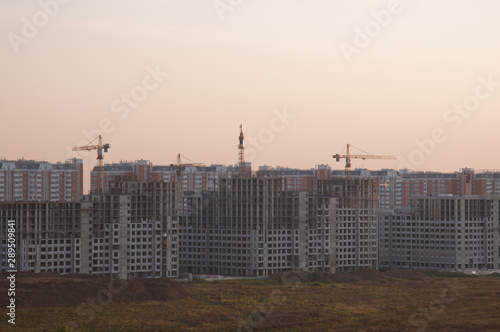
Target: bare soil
{"type": "Point", "coordinates": [52, 289]}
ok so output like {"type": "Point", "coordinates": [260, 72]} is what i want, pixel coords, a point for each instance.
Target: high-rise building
{"type": "Point", "coordinates": [442, 232]}
{"type": "Point", "coordinates": [127, 233]}
{"type": "Point", "coordinates": [139, 170]}
{"type": "Point", "coordinates": [252, 227]}
{"type": "Point", "coordinates": [194, 178]}
{"type": "Point", "coordinates": [387, 181]}
{"type": "Point", "coordinates": [294, 179]}
{"type": "Point", "coordinates": [39, 181]}
{"type": "Point", "coordinates": [356, 223]}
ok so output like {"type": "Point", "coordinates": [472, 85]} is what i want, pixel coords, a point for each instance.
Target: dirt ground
{"type": "Point", "coordinates": [52, 289]}
{"type": "Point", "coordinates": [366, 274]}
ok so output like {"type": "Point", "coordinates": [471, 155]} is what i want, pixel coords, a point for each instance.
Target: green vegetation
{"type": "Point", "coordinates": [389, 304]}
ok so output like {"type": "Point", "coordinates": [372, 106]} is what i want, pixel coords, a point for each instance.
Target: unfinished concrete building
{"type": "Point", "coordinates": [356, 224]}
{"type": "Point", "coordinates": [48, 236]}
{"type": "Point", "coordinates": [127, 233]}
{"type": "Point", "coordinates": [442, 232]}
{"type": "Point", "coordinates": [133, 231]}
{"type": "Point", "coordinates": [252, 227]}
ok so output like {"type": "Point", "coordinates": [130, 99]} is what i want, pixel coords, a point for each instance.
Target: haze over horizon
{"type": "Point", "coordinates": [263, 59]}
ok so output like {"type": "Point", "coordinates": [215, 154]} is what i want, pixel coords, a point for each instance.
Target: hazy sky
{"type": "Point", "coordinates": [232, 62]}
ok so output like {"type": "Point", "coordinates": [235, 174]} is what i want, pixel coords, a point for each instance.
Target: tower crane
{"type": "Point", "coordinates": [348, 156]}
{"type": "Point", "coordinates": [100, 147]}
{"type": "Point", "coordinates": [241, 155]}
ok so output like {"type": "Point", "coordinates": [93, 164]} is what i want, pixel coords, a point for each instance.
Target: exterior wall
{"type": "Point", "coordinates": [356, 224]}
{"type": "Point", "coordinates": [195, 178]}
{"type": "Point", "coordinates": [34, 181]}
{"type": "Point", "coordinates": [139, 170]}
{"type": "Point", "coordinates": [449, 233]}
{"type": "Point", "coordinates": [48, 235]}
{"type": "Point", "coordinates": [251, 227]}
{"type": "Point", "coordinates": [128, 233]}
{"type": "Point", "coordinates": [294, 179]}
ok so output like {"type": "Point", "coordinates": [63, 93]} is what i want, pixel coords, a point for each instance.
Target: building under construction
{"type": "Point", "coordinates": [251, 227]}
{"type": "Point", "coordinates": [255, 226]}
{"type": "Point", "coordinates": [127, 233]}
{"type": "Point", "coordinates": [456, 233]}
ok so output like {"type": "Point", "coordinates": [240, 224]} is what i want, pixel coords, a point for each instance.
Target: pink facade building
{"type": "Point", "coordinates": [40, 181]}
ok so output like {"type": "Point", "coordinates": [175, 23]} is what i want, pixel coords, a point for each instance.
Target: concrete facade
{"type": "Point", "coordinates": [251, 227]}
{"type": "Point", "coordinates": [128, 233]}
{"type": "Point", "coordinates": [444, 232]}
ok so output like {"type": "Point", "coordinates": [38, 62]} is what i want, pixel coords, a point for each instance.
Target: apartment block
{"type": "Point", "coordinates": [294, 179]}
{"type": "Point", "coordinates": [194, 178]}
{"type": "Point", "coordinates": [252, 227]}
{"type": "Point", "coordinates": [129, 232]}
{"type": "Point", "coordinates": [139, 170]}
{"type": "Point", "coordinates": [39, 181]}
{"type": "Point", "coordinates": [48, 236]}
{"type": "Point", "coordinates": [356, 221]}
{"type": "Point", "coordinates": [134, 233]}
{"type": "Point", "coordinates": [298, 179]}
{"type": "Point", "coordinates": [442, 232]}
{"type": "Point", "coordinates": [388, 182]}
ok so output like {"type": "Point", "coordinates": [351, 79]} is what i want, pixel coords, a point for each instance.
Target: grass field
{"type": "Point", "coordinates": [435, 303]}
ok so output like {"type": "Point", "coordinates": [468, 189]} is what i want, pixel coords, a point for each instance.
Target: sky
{"type": "Point", "coordinates": [419, 80]}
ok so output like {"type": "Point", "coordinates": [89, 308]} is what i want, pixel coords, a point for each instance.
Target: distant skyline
{"type": "Point", "coordinates": [158, 78]}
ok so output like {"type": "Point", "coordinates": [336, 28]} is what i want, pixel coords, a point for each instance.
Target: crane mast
{"type": "Point", "coordinates": [241, 154]}
{"type": "Point", "coordinates": [100, 147]}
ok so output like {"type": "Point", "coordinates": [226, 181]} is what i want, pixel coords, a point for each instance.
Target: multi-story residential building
{"type": "Point", "coordinates": [252, 227]}
{"type": "Point", "coordinates": [487, 182]}
{"type": "Point", "coordinates": [134, 232]}
{"type": "Point", "coordinates": [139, 170]}
{"type": "Point", "coordinates": [294, 179]}
{"type": "Point", "coordinates": [442, 232]}
{"type": "Point", "coordinates": [356, 222]}
{"type": "Point", "coordinates": [48, 236]}
{"type": "Point", "coordinates": [195, 178]}
{"type": "Point", "coordinates": [428, 184]}
{"type": "Point", "coordinates": [128, 233]}
{"type": "Point", "coordinates": [388, 183]}
{"type": "Point", "coordinates": [39, 181]}
{"type": "Point", "coordinates": [396, 188]}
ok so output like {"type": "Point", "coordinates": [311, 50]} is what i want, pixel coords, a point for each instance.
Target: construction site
{"type": "Point", "coordinates": [141, 220]}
